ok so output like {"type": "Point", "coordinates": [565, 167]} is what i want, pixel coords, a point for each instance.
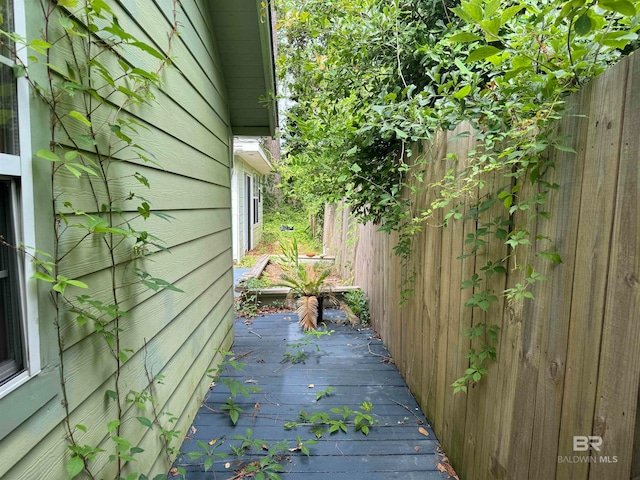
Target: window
{"type": "Point", "coordinates": [19, 341]}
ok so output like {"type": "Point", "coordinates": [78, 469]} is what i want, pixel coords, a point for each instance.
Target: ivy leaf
{"type": "Point", "coordinates": [482, 53]}
{"type": "Point", "coordinates": [74, 467]}
{"type": "Point", "coordinates": [583, 25]}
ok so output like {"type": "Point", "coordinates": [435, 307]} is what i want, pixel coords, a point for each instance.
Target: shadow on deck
{"type": "Point", "coordinates": [351, 361]}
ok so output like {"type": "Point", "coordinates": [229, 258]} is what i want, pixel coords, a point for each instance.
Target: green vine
{"type": "Point", "coordinates": [81, 69]}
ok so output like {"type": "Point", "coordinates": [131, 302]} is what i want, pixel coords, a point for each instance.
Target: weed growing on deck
{"type": "Point", "coordinates": [325, 393]}
{"type": "Point", "coordinates": [298, 354]}
{"type": "Point", "coordinates": [336, 420]}
{"type": "Point", "coordinates": [236, 387]}
{"type": "Point", "coordinates": [267, 467]}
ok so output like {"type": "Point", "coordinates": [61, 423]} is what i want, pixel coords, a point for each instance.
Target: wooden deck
{"type": "Point", "coordinates": [351, 361]}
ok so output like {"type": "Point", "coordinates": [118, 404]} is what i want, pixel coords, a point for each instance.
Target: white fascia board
{"type": "Point", "coordinates": [249, 150]}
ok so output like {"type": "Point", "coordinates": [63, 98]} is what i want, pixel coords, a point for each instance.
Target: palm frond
{"type": "Point", "coordinates": [308, 312]}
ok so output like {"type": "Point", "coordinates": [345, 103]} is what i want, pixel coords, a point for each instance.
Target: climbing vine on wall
{"type": "Point", "coordinates": [91, 73]}
{"type": "Point", "coordinates": [370, 83]}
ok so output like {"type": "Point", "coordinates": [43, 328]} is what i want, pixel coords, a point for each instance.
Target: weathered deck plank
{"type": "Point", "coordinates": [349, 360]}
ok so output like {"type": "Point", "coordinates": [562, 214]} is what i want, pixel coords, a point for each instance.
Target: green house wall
{"type": "Point", "coordinates": [173, 334]}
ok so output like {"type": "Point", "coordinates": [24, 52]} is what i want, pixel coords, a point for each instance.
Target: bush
{"type": "Point", "coordinates": [358, 302]}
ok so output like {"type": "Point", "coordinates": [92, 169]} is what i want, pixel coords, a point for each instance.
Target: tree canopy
{"type": "Point", "coordinates": [367, 79]}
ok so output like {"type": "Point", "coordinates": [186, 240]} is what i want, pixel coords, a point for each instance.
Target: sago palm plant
{"type": "Point", "coordinates": [307, 282]}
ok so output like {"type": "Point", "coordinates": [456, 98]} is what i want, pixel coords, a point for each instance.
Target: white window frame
{"type": "Point", "coordinates": [20, 167]}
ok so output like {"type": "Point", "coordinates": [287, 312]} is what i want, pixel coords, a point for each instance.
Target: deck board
{"type": "Point", "coordinates": [353, 361]}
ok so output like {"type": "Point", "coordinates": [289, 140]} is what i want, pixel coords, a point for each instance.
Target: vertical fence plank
{"type": "Point", "coordinates": [446, 319]}
{"type": "Point", "coordinates": [620, 348]}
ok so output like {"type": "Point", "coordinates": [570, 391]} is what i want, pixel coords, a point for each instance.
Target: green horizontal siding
{"type": "Point", "coordinates": [187, 135]}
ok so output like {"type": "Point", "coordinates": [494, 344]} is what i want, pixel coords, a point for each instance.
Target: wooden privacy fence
{"type": "Point", "coordinates": [569, 361]}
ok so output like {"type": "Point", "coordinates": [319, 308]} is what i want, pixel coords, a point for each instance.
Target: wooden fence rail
{"type": "Point", "coordinates": [569, 361]}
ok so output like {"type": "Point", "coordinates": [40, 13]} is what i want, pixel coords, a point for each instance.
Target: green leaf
{"type": "Point", "coordinates": [233, 414]}
{"type": "Point", "coordinates": [77, 283]}
{"type": "Point", "coordinates": [68, 3]}
{"type": "Point", "coordinates": [44, 277]}
{"type": "Point", "coordinates": [519, 62]}
{"type": "Point", "coordinates": [491, 7]}
{"type": "Point", "coordinates": [463, 92]}
{"type": "Point", "coordinates": [507, 15]}
{"type": "Point", "coordinates": [74, 466]}
{"type": "Point", "coordinates": [583, 25]}
{"type": "Point", "coordinates": [482, 53]}
{"type": "Point", "coordinates": [473, 10]}
{"type": "Point", "coordinates": [491, 27]}
{"type": "Point", "coordinates": [621, 6]}
{"type": "Point", "coordinates": [149, 49]}
{"type": "Point", "coordinates": [71, 155]}
{"type": "Point", "coordinates": [40, 45]}
{"type": "Point", "coordinates": [464, 37]}
{"type": "Point", "coordinates": [47, 155]}
{"type": "Point", "coordinates": [77, 173]}
{"type": "Point", "coordinates": [113, 425]}
{"type": "Point", "coordinates": [564, 148]}
{"type": "Point", "coordinates": [208, 463]}
{"type": "Point", "coordinates": [355, 168]}
{"type": "Point", "coordinates": [78, 167]}
{"type": "Point", "coordinates": [80, 117]}
{"type": "Point", "coordinates": [551, 256]}
{"type": "Point", "coordinates": [145, 421]}
{"type": "Point", "coordinates": [618, 40]}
